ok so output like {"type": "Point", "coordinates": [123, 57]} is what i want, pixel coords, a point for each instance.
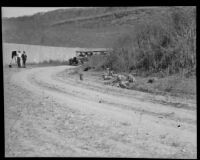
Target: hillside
{"type": "Point", "coordinates": [90, 27]}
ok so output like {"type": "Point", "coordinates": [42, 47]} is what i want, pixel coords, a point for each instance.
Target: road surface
{"type": "Point", "coordinates": [57, 115]}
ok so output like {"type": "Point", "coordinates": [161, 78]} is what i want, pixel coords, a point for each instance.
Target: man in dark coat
{"type": "Point", "coordinates": [24, 57]}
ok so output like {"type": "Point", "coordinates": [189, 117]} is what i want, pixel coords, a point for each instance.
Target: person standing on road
{"type": "Point", "coordinates": [19, 59]}
{"type": "Point", "coordinates": [24, 57]}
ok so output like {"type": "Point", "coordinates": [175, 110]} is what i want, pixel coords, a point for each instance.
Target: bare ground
{"type": "Point", "coordinates": [49, 113]}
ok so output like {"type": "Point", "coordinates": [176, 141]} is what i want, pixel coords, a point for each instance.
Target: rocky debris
{"type": "Point", "coordinates": [119, 80]}
{"type": "Point", "coordinates": [123, 84]}
{"type": "Point", "coordinates": [86, 68]}
{"type": "Point", "coordinates": [121, 77]}
{"type": "Point", "coordinates": [106, 77]}
{"type": "Point", "coordinates": [131, 78]}
{"type": "Point", "coordinates": [151, 80]}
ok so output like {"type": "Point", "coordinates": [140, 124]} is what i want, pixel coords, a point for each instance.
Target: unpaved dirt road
{"type": "Point", "coordinates": [53, 114]}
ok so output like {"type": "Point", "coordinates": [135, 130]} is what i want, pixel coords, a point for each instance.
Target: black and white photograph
{"type": "Point", "coordinates": [100, 81]}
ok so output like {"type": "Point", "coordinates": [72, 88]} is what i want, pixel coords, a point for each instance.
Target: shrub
{"type": "Point", "coordinates": [97, 62]}
{"type": "Point", "coordinates": [160, 43]}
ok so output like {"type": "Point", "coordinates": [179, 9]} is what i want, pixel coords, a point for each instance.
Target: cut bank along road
{"type": "Point", "coordinates": [169, 129]}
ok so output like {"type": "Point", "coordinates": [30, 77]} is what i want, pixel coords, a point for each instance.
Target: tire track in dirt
{"type": "Point", "coordinates": [177, 102]}
{"type": "Point", "coordinates": [103, 99]}
{"type": "Point", "coordinates": [42, 80]}
{"type": "Point", "coordinates": [161, 111]}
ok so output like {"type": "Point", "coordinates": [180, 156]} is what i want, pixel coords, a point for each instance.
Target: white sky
{"type": "Point", "coordinates": [21, 11]}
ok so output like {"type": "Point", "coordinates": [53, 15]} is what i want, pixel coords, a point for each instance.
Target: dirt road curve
{"type": "Point", "coordinates": [68, 117]}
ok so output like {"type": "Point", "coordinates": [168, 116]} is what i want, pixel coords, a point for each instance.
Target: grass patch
{"type": "Point", "coordinates": [177, 84]}
{"type": "Point", "coordinates": [174, 85]}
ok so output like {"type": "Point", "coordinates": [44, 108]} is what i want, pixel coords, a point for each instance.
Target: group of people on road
{"type": "Point", "coordinates": [20, 58]}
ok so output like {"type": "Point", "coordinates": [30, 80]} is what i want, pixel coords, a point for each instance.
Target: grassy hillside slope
{"type": "Point", "coordinates": [91, 27]}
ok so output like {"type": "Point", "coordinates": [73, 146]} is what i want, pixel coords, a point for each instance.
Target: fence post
{"type": "Point", "coordinates": [81, 76]}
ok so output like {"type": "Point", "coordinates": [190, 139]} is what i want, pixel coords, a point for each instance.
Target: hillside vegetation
{"type": "Point", "coordinates": [90, 27]}
{"type": "Point", "coordinates": [165, 43]}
